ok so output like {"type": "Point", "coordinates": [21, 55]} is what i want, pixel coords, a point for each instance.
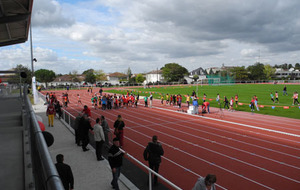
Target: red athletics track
{"type": "Point", "coordinates": [244, 150]}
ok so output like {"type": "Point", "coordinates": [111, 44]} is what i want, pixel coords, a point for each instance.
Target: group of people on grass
{"type": "Point", "coordinates": [108, 101]}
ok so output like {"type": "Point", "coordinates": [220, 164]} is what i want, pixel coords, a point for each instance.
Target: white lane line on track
{"type": "Point", "coordinates": [222, 136]}
{"type": "Point", "coordinates": [208, 162]}
{"type": "Point", "coordinates": [235, 123]}
{"type": "Point", "coordinates": [221, 144]}
{"type": "Point", "coordinates": [263, 169]}
{"type": "Point", "coordinates": [224, 155]}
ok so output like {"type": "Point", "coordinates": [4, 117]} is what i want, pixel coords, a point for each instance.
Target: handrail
{"type": "Point", "coordinates": [50, 176]}
{"type": "Point", "coordinates": [150, 172]}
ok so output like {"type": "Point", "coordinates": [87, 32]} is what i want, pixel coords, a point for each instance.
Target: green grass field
{"type": "Point", "coordinates": [244, 91]}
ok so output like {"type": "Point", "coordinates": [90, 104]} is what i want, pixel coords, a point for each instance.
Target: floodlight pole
{"type": "Point", "coordinates": [32, 69]}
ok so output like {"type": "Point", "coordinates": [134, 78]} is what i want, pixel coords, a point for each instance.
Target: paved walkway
{"type": "Point", "coordinates": [89, 174]}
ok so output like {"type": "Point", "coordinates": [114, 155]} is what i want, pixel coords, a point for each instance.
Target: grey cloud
{"type": "Point", "coordinates": [48, 13]}
{"type": "Point", "coordinates": [267, 22]}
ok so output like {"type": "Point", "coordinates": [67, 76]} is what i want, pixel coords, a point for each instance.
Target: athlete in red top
{"type": "Point", "coordinates": [205, 107]}
{"type": "Point", "coordinates": [86, 111]}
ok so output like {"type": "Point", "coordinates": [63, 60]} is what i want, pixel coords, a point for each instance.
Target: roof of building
{"type": "Point", "coordinates": [155, 72]}
{"type": "Point", "coordinates": [117, 74]}
{"type": "Point", "coordinates": [199, 71]}
{"type": "Point", "coordinates": [15, 20]}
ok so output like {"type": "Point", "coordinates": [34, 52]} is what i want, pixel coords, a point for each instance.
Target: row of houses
{"type": "Point", "coordinates": [150, 77]}
{"type": "Point", "coordinates": [156, 76]}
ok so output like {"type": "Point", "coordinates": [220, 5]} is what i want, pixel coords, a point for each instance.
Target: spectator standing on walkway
{"type": "Point", "coordinates": [206, 183]}
{"type": "Point", "coordinates": [50, 113]}
{"type": "Point", "coordinates": [84, 128]}
{"type": "Point", "coordinates": [152, 154]}
{"type": "Point", "coordinates": [65, 172]}
{"type": "Point", "coordinates": [58, 108]}
{"type": "Point", "coordinates": [106, 130]}
{"type": "Point", "coordinates": [99, 139]}
{"type": "Point", "coordinates": [77, 123]}
{"type": "Point", "coordinates": [115, 159]}
{"type": "Point", "coordinates": [119, 129]}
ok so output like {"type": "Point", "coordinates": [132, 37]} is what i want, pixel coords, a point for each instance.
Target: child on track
{"type": "Point", "coordinates": [78, 100]}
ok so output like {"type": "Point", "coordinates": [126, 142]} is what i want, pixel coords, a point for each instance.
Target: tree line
{"type": "Point", "coordinates": [172, 72]}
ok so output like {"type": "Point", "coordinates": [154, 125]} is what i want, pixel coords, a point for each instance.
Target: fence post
{"type": "Point", "coordinates": [150, 180]}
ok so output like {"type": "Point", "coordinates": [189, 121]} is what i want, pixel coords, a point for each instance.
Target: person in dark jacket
{"type": "Point", "coordinates": [84, 128]}
{"type": "Point", "coordinates": [106, 130]}
{"type": "Point", "coordinates": [119, 129]}
{"type": "Point", "coordinates": [65, 172]}
{"type": "Point", "coordinates": [76, 128]}
{"type": "Point", "coordinates": [115, 159]}
{"type": "Point", "coordinates": [152, 154]}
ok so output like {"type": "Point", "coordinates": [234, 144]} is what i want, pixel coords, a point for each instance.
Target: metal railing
{"type": "Point", "coordinates": [45, 173]}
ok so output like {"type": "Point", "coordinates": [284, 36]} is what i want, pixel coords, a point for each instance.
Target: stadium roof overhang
{"type": "Point", "coordinates": [15, 16]}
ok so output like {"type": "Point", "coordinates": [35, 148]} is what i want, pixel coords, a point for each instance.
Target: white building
{"type": "Point", "coordinates": [154, 76]}
{"type": "Point", "coordinates": [284, 73]}
{"type": "Point", "coordinates": [114, 78]}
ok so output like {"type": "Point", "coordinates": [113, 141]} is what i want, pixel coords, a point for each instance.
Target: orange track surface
{"type": "Point", "coordinates": [244, 150]}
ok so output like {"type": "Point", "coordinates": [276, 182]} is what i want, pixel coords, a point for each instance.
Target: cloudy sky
{"type": "Point", "coordinates": [113, 35]}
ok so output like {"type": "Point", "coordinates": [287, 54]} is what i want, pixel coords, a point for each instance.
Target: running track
{"type": "Point", "coordinates": [244, 150]}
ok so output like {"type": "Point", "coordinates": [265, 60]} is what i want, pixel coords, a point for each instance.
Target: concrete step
{"type": "Point", "coordinates": [10, 119]}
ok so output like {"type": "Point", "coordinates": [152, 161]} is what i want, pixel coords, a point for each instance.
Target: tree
{"type": "Point", "coordinates": [297, 66]}
{"type": "Point", "coordinates": [100, 75]}
{"type": "Point", "coordinates": [240, 73]}
{"type": "Point", "coordinates": [16, 78]}
{"type": "Point", "coordinates": [140, 78]}
{"type": "Point", "coordinates": [257, 71]}
{"type": "Point", "coordinates": [87, 71]}
{"type": "Point", "coordinates": [90, 77]}
{"type": "Point", "coordinates": [74, 76]}
{"type": "Point", "coordinates": [269, 71]}
{"type": "Point", "coordinates": [173, 72]}
{"type": "Point", "coordinates": [129, 74]}
{"type": "Point", "coordinates": [44, 75]}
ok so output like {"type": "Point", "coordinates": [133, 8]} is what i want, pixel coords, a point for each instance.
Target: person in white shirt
{"type": "Point", "coordinates": [99, 139]}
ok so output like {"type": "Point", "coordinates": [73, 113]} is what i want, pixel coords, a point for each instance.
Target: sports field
{"type": "Point", "coordinates": [244, 91]}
